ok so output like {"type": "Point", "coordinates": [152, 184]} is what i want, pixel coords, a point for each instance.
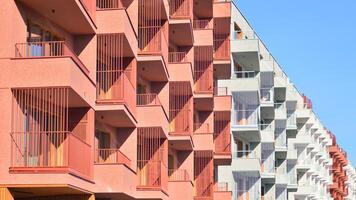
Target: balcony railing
{"type": "Point", "coordinates": [177, 57]}
{"type": "Point", "coordinates": [181, 122]}
{"type": "Point", "coordinates": [245, 154]}
{"type": "Point", "coordinates": [115, 87]}
{"type": "Point", "coordinates": [152, 175]}
{"type": "Point", "coordinates": [204, 81]}
{"type": "Point", "coordinates": [109, 4]}
{"type": "Point", "coordinates": [48, 49]}
{"type": "Point", "coordinates": [245, 74]}
{"type": "Point", "coordinates": [202, 128]}
{"type": "Point", "coordinates": [180, 8]}
{"type": "Point", "coordinates": [222, 48]}
{"type": "Point", "coordinates": [267, 165]}
{"type": "Point", "coordinates": [150, 39]}
{"type": "Point", "coordinates": [178, 175]}
{"type": "Point", "coordinates": [267, 127]}
{"type": "Point", "coordinates": [245, 117]}
{"type": "Point", "coordinates": [222, 143]}
{"type": "Point", "coordinates": [221, 187]}
{"type": "Point", "coordinates": [148, 100]}
{"type": "Point", "coordinates": [111, 156]}
{"type": "Point", "coordinates": [201, 24]}
{"type": "Point", "coordinates": [50, 150]}
{"type": "Point", "coordinates": [266, 94]}
{"type": "Point", "coordinates": [291, 120]}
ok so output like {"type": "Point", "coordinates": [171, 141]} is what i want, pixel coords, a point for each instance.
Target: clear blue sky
{"type": "Point", "coordinates": [315, 42]}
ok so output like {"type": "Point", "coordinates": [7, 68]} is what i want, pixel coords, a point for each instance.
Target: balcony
{"type": "Point", "coordinates": [153, 53]}
{"type": "Point", "coordinates": [179, 64]}
{"type": "Point", "coordinates": [179, 180]}
{"type": "Point", "coordinates": [150, 105]}
{"type": "Point", "coordinates": [246, 81]}
{"type": "Point", "coordinates": [181, 129]}
{"type": "Point", "coordinates": [203, 136]}
{"type": "Point", "coordinates": [47, 152]}
{"type": "Point", "coordinates": [45, 62]}
{"type": "Point", "coordinates": [245, 49]}
{"type": "Point", "coordinates": [76, 17]}
{"type": "Point", "coordinates": [107, 10]}
{"type": "Point", "coordinates": [116, 102]}
{"type": "Point", "coordinates": [180, 23]}
{"type": "Point", "coordinates": [246, 161]}
{"type": "Point", "coordinates": [152, 175]}
{"type": "Point", "coordinates": [203, 32]}
{"type": "Point", "coordinates": [222, 100]}
{"type": "Point", "coordinates": [113, 160]}
{"type": "Point", "coordinates": [221, 191]}
{"type": "Point", "coordinates": [245, 124]}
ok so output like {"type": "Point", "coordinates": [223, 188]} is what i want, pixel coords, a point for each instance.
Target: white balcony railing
{"type": "Point", "coordinates": [245, 154]}
{"type": "Point", "coordinates": [245, 117]}
{"type": "Point", "coordinates": [245, 74]}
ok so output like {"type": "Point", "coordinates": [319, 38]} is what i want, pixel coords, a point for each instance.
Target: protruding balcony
{"type": "Point", "coordinates": [152, 41]}
{"type": "Point", "coordinates": [267, 133]}
{"type": "Point", "coordinates": [116, 102]}
{"type": "Point", "coordinates": [113, 18]}
{"type": "Point", "coordinates": [203, 175]}
{"type": "Point", "coordinates": [178, 181]}
{"type": "Point", "coordinates": [246, 124]}
{"type": "Point", "coordinates": [246, 81]}
{"type": "Point", "coordinates": [180, 23]}
{"type": "Point", "coordinates": [246, 161]}
{"type": "Point", "coordinates": [40, 59]}
{"type": "Point", "coordinates": [222, 100]}
{"type": "Point", "coordinates": [124, 177]}
{"type": "Point", "coordinates": [203, 32]}
{"type": "Point", "coordinates": [203, 136]}
{"type": "Point", "coordinates": [245, 48]}
{"type": "Point", "coordinates": [222, 53]}
{"type": "Point", "coordinates": [150, 105]}
{"type": "Point", "coordinates": [280, 111]}
{"type": "Point", "coordinates": [56, 135]}
{"type": "Point", "coordinates": [76, 17]}
{"type": "Point", "coordinates": [179, 64]}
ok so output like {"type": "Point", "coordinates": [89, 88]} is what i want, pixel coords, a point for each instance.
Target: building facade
{"type": "Point", "coordinates": [153, 99]}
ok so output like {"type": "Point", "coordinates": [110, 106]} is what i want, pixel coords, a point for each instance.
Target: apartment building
{"type": "Point", "coordinates": [114, 99]}
{"type": "Point", "coordinates": [280, 148]}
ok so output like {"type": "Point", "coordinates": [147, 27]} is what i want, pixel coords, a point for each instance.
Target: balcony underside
{"type": "Point", "coordinates": [117, 115]}
{"type": "Point", "coordinates": [222, 69]}
{"type": "Point", "coordinates": [36, 191]}
{"type": "Point", "coordinates": [69, 14]}
{"type": "Point", "coordinates": [203, 102]}
{"type": "Point", "coordinates": [180, 142]}
{"type": "Point", "coordinates": [251, 134]}
{"type": "Point", "coordinates": [181, 32]}
{"type": "Point", "coordinates": [152, 68]}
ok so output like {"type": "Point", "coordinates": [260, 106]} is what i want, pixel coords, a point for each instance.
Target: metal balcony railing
{"type": "Point", "coordinates": [109, 4]}
{"type": "Point", "coordinates": [180, 8]}
{"type": "Point", "coordinates": [48, 49]}
{"type": "Point", "coordinates": [178, 175]}
{"type": "Point", "coordinates": [202, 128]}
{"type": "Point", "coordinates": [199, 24]}
{"type": "Point", "coordinates": [181, 122]}
{"type": "Point", "coordinates": [148, 100]}
{"type": "Point", "coordinates": [50, 149]}
{"type": "Point", "coordinates": [152, 175]}
{"type": "Point", "coordinates": [111, 156]}
{"type": "Point", "coordinates": [177, 57]}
